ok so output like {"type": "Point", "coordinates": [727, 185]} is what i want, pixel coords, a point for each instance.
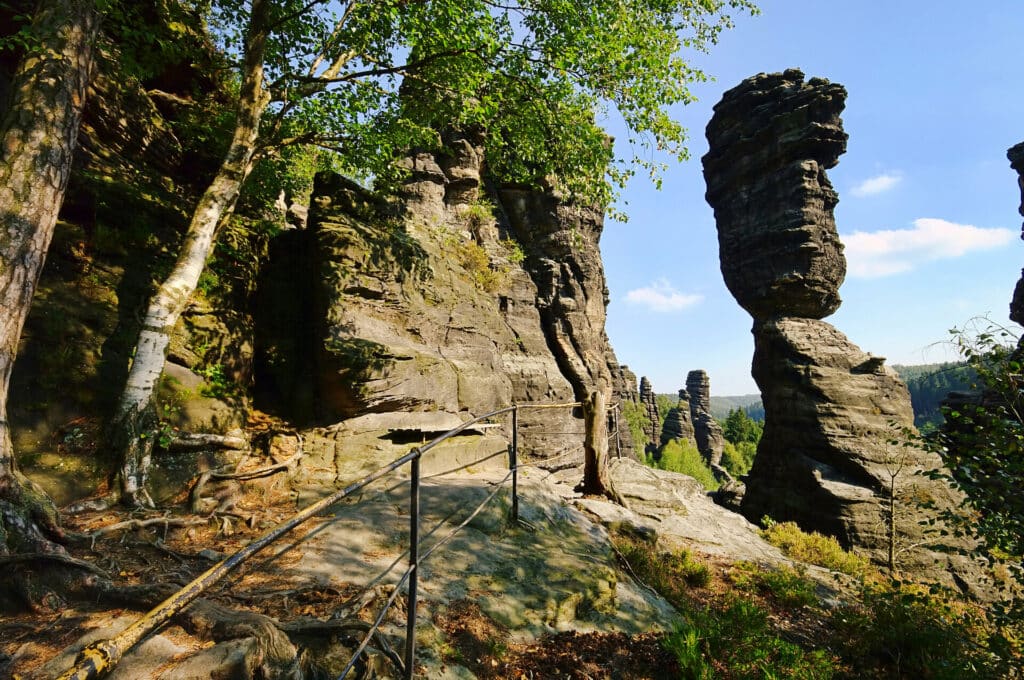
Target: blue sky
{"type": "Point", "coordinates": [928, 202]}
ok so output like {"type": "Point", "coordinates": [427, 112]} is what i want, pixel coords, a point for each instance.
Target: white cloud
{"type": "Point", "coordinates": [883, 253]}
{"type": "Point", "coordinates": [660, 296]}
{"type": "Point", "coordinates": [877, 184]}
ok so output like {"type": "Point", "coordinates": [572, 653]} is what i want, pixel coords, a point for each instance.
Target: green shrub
{"type": "Point", "coordinates": [813, 548]}
{"type": "Point", "coordinates": [513, 251]}
{"type": "Point", "coordinates": [479, 213]}
{"type": "Point", "coordinates": [477, 263]}
{"type": "Point", "coordinates": [218, 384]}
{"type": "Point", "coordinates": [788, 587]}
{"type": "Point", "coordinates": [671, 574]}
{"type": "Point", "coordinates": [737, 641]}
{"type": "Point", "coordinates": [683, 457]}
{"type": "Point", "coordinates": [905, 631]}
{"type": "Point", "coordinates": [730, 640]}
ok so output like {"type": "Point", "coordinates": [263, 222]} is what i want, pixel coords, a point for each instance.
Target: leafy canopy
{"type": "Point", "coordinates": [982, 444]}
{"type": "Point", "coordinates": [368, 79]}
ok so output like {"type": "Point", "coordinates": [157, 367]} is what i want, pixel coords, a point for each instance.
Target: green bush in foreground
{"type": "Point", "coordinates": [813, 548]}
{"type": "Point", "coordinates": [903, 630]}
{"type": "Point", "coordinates": [671, 574]}
{"type": "Point", "coordinates": [788, 587]}
{"type": "Point", "coordinates": [731, 639]}
{"type": "Point", "coordinates": [737, 641]}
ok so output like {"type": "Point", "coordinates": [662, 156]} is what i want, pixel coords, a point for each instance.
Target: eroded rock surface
{"type": "Point", "coordinates": [444, 302]}
{"type": "Point", "coordinates": [707, 433]}
{"type": "Point", "coordinates": [650, 404]}
{"type": "Point", "coordinates": [677, 423]}
{"type": "Point", "coordinates": [824, 460]}
{"type": "Point", "coordinates": [772, 138]}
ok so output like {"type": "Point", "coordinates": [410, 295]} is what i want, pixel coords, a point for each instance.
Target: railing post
{"type": "Point", "coordinates": [513, 462]}
{"type": "Point", "coordinates": [414, 557]}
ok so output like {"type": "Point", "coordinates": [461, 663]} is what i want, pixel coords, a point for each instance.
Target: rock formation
{"type": "Point", "coordinates": [678, 424]}
{"type": "Point", "coordinates": [650, 405]}
{"type": "Point", "coordinates": [707, 433]}
{"type": "Point", "coordinates": [625, 388]}
{"type": "Point", "coordinates": [830, 408]}
{"type": "Point", "coordinates": [1016, 156]}
{"type": "Point", "coordinates": [444, 309]}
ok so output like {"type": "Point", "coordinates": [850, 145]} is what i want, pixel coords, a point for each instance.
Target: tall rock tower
{"type": "Point", "coordinates": [706, 431]}
{"type": "Point", "coordinates": [830, 409]}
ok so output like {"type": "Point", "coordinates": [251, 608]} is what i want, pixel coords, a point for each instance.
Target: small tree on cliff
{"type": "Point", "coordinates": [531, 73]}
{"type": "Point", "coordinates": [982, 445]}
{"type": "Point", "coordinates": [38, 135]}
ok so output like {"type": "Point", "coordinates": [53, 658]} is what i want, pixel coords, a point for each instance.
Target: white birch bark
{"type": "Point", "coordinates": [133, 427]}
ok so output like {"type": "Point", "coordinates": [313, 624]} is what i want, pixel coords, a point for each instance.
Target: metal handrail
{"type": "Point", "coordinates": [100, 657]}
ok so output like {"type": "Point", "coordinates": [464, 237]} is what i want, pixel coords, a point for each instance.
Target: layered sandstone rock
{"type": "Point", "coordinates": [678, 424]}
{"type": "Point", "coordinates": [442, 303]}
{"type": "Point", "coordinates": [824, 460]}
{"type": "Point", "coordinates": [650, 405]}
{"type": "Point", "coordinates": [625, 387]}
{"type": "Point", "coordinates": [707, 433]}
{"type": "Point", "coordinates": [773, 137]}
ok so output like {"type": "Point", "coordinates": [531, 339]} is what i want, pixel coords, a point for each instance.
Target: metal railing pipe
{"type": "Point", "coordinates": [513, 463]}
{"type": "Point", "coordinates": [414, 568]}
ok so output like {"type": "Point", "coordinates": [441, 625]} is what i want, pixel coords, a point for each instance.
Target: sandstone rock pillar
{"type": "Point", "coordinates": [678, 424]}
{"type": "Point", "coordinates": [707, 433]}
{"type": "Point", "coordinates": [824, 460]}
{"type": "Point", "coordinates": [650, 405]}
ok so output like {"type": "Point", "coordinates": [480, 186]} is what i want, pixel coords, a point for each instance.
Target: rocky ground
{"type": "Point", "coordinates": [543, 597]}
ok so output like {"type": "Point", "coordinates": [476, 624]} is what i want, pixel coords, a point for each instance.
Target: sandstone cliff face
{"type": "Point", "coordinates": [438, 306]}
{"type": "Point", "coordinates": [424, 303]}
{"type": "Point", "coordinates": [824, 460]}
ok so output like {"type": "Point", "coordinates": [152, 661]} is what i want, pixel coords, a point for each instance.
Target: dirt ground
{"type": "Point", "coordinates": [175, 546]}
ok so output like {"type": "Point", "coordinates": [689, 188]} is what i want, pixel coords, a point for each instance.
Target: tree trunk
{"type": "Point", "coordinates": [595, 443]}
{"type": "Point", "coordinates": [134, 425]}
{"type": "Point", "coordinates": [37, 142]}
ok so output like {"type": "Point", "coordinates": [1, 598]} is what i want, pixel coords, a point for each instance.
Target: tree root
{"type": "Point", "coordinates": [134, 524]}
{"type": "Point", "coordinates": [291, 651]}
{"type": "Point", "coordinates": [226, 498]}
{"type": "Point", "coordinates": [61, 558]}
{"type": "Point", "coordinates": [197, 441]}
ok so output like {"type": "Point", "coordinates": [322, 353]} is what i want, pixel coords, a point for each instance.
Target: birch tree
{"type": "Point", "coordinates": [38, 135]}
{"type": "Point", "coordinates": [533, 74]}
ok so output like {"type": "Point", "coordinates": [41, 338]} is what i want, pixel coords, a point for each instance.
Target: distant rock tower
{"type": "Point", "coordinates": [650, 405]}
{"type": "Point", "coordinates": [706, 431]}
{"type": "Point", "coordinates": [678, 424]}
{"type": "Point", "coordinates": [830, 408]}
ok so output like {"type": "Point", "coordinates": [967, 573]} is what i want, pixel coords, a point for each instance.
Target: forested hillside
{"type": "Point", "coordinates": [929, 384]}
{"type": "Point", "coordinates": [748, 403]}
